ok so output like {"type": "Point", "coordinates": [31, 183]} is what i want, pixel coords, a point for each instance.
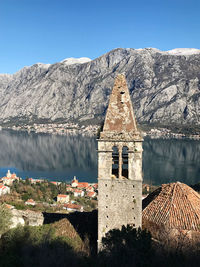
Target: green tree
{"type": "Point", "coordinates": [126, 247]}
{"type": "Point", "coordinates": [5, 218]}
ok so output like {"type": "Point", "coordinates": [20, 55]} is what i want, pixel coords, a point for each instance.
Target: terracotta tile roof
{"type": "Point", "coordinates": [174, 205]}
{"type": "Point", "coordinates": [61, 195]}
{"type": "Point", "coordinates": [78, 191]}
{"type": "Point", "coordinates": [72, 206]}
{"type": "Point", "coordinates": [91, 194]}
{"type": "Point", "coordinates": [82, 185]}
{"type": "Point", "coordinates": [30, 200]}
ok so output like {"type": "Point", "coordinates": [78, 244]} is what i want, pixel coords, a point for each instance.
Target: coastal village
{"type": "Point", "coordinates": [39, 195]}
{"type": "Point", "coordinates": [177, 203]}
{"type": "Point", "coordinates": [66, 200]}
{"type": "Point", "coordinates": [169, 215]}
{"type": "Point", "coordinates": [69, 200]}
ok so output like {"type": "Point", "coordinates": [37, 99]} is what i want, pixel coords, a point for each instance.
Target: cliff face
{"type": "Point", "coordinates": [164, 86]}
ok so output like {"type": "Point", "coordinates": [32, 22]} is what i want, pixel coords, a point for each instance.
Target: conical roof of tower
{"type": "Point", "coordinates": [175, 205]}
{"type": "Point", "coordinates": [120, 121]}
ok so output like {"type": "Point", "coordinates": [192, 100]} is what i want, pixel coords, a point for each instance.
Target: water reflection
{"type": "Point", "coordinates": [171, 160]}
{"type": "Point", "coordinates": [62, 157]}
{"type": "Point", "coordinates": [48, 155]}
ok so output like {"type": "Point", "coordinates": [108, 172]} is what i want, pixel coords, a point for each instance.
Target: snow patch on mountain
{"type": "Point", "coordinates": [175, 52]}
{"type": "Point", "coordinates": [71, 60]}
{"type": "Point", "coordinates": [42, 65]}
{"type": "Point", "coordinates": [183, 51]}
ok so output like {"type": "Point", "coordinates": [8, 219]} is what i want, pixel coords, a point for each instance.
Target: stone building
{"type": "Point", "coordinates": [62, 198]}
{"type": "Point", "coordinates": [119, 164]}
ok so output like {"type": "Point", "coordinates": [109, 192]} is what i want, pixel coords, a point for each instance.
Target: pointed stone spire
{"type": "Point", "coordinates": [120, 120]}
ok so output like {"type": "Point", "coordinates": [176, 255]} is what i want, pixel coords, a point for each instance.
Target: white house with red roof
{"type": "Point", "coordinates": [4, 190]}
{"type": "Point", "coordinates": [73, 207]}
{"type": "Point", "coordinates": [91, 194]}
{"type": "Point", "coordinates": [90, 189]}
{"type": "Point", "coordinates": [61, 198]}
{"type": "Point", "coordinates": [30, 202]}
{"type": "Point", "coordinates": [83, 185]}
{"type": "Point", "coordinates": [78, 193]}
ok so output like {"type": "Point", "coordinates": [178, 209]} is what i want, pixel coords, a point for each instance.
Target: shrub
{"type": "Point", "coordinates": [126, 247]}
{"type": "Point", "coordinates": [5, 218]}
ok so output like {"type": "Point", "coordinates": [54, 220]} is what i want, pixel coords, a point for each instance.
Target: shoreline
{"type": "Point", "coordinates": [92, 131]}
{"type": "Point", "coordinates": [156, 133]}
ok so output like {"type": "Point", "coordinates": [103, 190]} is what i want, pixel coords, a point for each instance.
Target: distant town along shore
{"type": "Point", "coordinates": [92, 130]}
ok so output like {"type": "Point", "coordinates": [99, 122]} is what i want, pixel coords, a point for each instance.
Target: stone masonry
{"type": "Point", "coordinates": [119, 164]}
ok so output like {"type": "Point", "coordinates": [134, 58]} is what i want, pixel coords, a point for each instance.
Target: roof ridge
{"type": "Point", "coordinates": [192, 191]}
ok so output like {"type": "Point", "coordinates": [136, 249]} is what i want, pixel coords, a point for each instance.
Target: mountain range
{"type": "Point", "coordinates": [164, 87]}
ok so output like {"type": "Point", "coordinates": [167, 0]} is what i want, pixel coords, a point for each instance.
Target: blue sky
{"type": "Point", "coordinates": [49, 31]}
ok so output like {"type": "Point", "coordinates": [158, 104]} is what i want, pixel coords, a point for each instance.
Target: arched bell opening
{"type": "Point", "coordinates": [115, 162]}
{"type": "Point", "coordinates": [125, 162]}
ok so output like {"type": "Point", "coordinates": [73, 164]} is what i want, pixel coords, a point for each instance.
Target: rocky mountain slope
{"type": "Point", "coordinates": [164, 86]}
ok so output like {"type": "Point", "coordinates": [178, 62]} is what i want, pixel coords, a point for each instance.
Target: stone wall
{"type": "Point", "coordinates": [119, 204]}
{"type": "Point", "coordinates": [26, 217]}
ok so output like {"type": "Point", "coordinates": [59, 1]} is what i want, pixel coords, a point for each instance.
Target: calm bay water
{"type": "Point", "coordinates": [62, 157]}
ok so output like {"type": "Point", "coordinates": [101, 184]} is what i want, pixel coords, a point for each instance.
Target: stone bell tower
{"type": "Point", "coordinates": [119, 164]}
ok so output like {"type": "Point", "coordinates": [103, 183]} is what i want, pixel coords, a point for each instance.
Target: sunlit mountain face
{"type": "Point", "coordinates": [164, 87]}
